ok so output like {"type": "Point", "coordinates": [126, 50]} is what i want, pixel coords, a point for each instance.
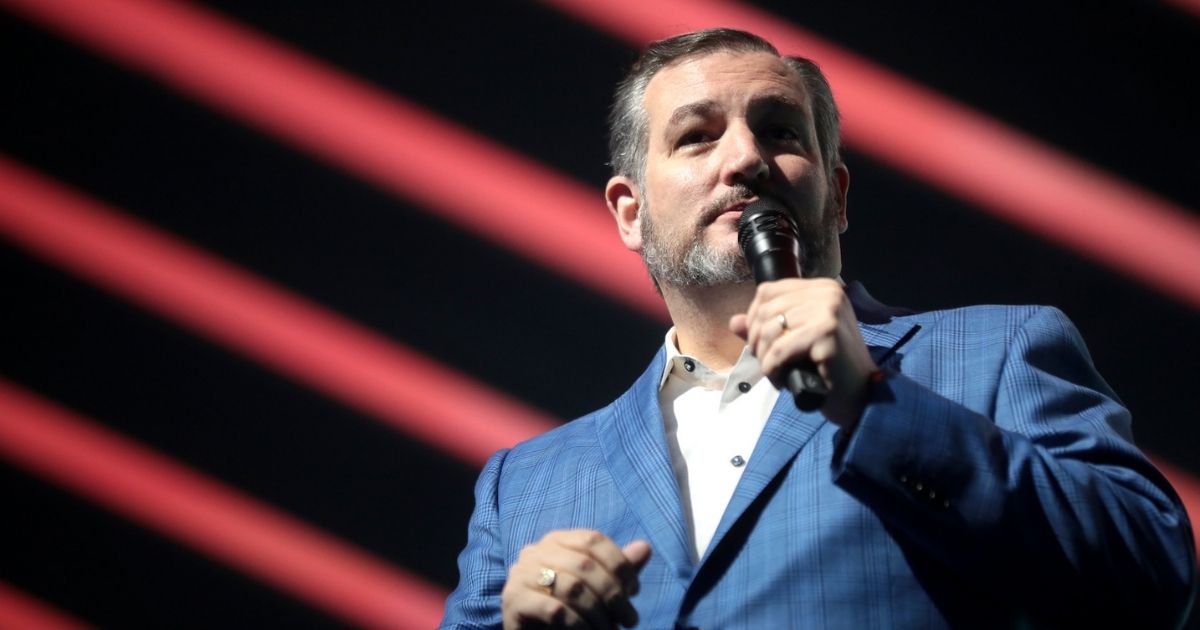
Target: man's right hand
{"type": "Point", "coordinates": [593, 581]}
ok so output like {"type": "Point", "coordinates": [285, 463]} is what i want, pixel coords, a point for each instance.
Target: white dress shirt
{"type": "Point", "coordinates": [712, 423]}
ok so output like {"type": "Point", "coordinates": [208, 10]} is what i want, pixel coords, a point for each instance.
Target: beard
{"type": "Point", "coordinates": [686, 259]}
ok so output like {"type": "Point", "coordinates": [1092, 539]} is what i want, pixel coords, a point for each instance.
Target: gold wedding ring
{"type": "Point", "coordinates": [782, 321]}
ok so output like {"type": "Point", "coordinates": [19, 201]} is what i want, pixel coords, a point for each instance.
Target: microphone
{"type": "Point", "coordinates": [771, 244]}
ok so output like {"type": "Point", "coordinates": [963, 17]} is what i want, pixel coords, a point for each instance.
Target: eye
{"type": "Point", "coordinates": [783, 133]}
{"type": "Point", "coordinates": [694, 137]}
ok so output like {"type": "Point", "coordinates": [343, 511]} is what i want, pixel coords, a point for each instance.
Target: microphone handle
{"type": "Point", "coordinates": [801, 376]}
{"type": "Point", "coordinates": [807, 387]}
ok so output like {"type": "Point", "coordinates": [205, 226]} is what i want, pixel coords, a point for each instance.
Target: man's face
{"type": "Point", "coordinates": [724, 129]}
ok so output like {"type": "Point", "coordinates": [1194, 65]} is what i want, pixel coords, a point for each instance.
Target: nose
{"type": "Point", "coordinates": [743, 161]}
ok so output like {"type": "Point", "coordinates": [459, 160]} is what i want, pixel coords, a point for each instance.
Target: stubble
{"type": "Point", "coordinates": [686, 259]}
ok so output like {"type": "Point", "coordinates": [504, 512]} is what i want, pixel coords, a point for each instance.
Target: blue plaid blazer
{"type": "Point", "coordinates": [992, 482]}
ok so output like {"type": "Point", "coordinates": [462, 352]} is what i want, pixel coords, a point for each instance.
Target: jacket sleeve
{"type": "Point", "coordinates": [1046, 502]}
{"type": "Point", "coordinates": [481, 566]}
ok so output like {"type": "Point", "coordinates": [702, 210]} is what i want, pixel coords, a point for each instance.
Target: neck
{"type": "Point", "coordinates": [701, 317]}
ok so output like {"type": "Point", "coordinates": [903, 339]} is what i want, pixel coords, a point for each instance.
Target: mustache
{"type": "Point", "coordinates": [739, 194]}
{"type": "Point", "coordinates": [736, 195]}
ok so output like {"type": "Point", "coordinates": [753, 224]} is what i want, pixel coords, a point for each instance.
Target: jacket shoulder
{"type": "Point", "coordinates": [578, 432]}
{"type": "Point", "coordinates": [583, 431]}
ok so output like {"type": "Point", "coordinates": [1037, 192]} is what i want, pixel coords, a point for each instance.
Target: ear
{"type": "Point", "coordinates": [839, 186]}
{"type": "Point", "coordinates": [624, 200]}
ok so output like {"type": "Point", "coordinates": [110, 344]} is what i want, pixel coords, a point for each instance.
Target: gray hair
{"type": "Point", "coordinates": [628, 130]}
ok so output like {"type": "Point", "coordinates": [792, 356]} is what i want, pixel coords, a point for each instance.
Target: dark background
{"type": "Point", "coordinates": [1111, 83]}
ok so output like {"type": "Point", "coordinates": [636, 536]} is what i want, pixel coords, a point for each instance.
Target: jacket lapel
{"type": "Point", "coordinates": [634, 446]}
{"type": "Point", "coordinates": [787, 430]}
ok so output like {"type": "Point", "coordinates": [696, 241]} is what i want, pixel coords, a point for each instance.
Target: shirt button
{"type": "Point", "coordinates": [689, 365]}
{"type": "Point", "coordinates": [743, 387]}
{"type": "Point", "coordinates": [737, 461]}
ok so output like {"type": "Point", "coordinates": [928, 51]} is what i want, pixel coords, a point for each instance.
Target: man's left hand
{"type": "Point", "coordinates": [818, 324]}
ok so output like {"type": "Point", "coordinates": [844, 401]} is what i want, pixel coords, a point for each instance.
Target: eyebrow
{"type": "Point", "coordinates": [699, 109]}
{"type": "Point", "coordinates": [775, 102]}
{"type": "Point", "coordinates": [705, 108]}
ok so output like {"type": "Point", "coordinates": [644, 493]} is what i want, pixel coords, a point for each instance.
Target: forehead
{"type": "Point", "coordinates": [729, 79]}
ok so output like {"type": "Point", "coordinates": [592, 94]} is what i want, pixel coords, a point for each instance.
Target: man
{"type": "Point", "coordinates": [968, 468]}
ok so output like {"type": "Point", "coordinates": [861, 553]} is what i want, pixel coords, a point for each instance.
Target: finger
{"type": "Point", "coordinates": [549, 568]}
{"type": "Point", "coordinates": [767, 290]}
{"type": "Point", "coordinates": [582, 598]}
{"type": "Point", "coordinates": [752, 324]}
{"type": "Point", "coordinates": [769, 306]}
{"type": "Point", "coordinates": [817, 305]}
{"type": "Point", "coordinates": [604, 568]}
{"type": "Point", "coordinates": [638, 554]}
{"type": "Point", "coordinates": [534, 570]}
{"type": "Point", "coordinates": [536, 609]}
{"type": "Point", "coordinates": [752, 334]}
{"type": "Point", "coordinates": [778, 321]}
{"type": "Point", "coordinates": [597, 547]}
{"type": "Point", "coordinates": [777, 296]}
{"type": "Point", "coordinates": [823, 349]}
{"type": "Point", "coordinates": [783, 350]}
{"type": "Point", "coordinates": [799, 344]}
{"type": "Point", "coordinates": [739, 326]}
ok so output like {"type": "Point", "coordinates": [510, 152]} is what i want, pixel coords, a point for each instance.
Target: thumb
{"type": "Point", "coordinates": [637, 553]}
{"type": "Point", "coordinates": [738, 325]}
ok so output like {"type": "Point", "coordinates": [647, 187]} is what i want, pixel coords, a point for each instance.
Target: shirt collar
{"type": "Point", "coordinates": [745, 369]}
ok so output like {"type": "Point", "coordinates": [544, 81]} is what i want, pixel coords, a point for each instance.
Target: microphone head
{"type": "Point", "coordinates": [765, 215]}
{"type": "Point", "coordinates": [769, 240]}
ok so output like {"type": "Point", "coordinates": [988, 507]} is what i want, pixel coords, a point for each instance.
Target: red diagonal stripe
{"type": "Point", "coordinates": [946, 144]}
{"type": "Point", "coordinates": [217, 520]}
{"type": "Point", "coordinates": [398, 146]}
{"type": "Point", "coordinates": [1191, 6]}
{"type": "Point", "coordinates": [249, 315]}
{"type": "Point", "coordinates": [281, 330]}
{"type": "Point", "coordinates": [386, 140]}
{"type": "Point", "coordinates": [483, 187]}
{"type": "Point", "coordinates": [20, 611]}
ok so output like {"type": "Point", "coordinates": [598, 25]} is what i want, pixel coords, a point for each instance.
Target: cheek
{"type": "Point", "coordinates": [680, 188]}
{"type": "Point", "coordinates": [810, 187]}
{"type": "Point", "coordinates": [799, 170]}
{"type": "Point", "coordinates": [673, 193]}
{"type": "Point", "coordinates": [691, 182]}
